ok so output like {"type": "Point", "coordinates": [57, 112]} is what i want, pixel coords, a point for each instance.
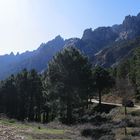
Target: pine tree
{"type": "Point", "coordinates": [102, 80]}
{"type": "Point", "coordinates": [69, 79]}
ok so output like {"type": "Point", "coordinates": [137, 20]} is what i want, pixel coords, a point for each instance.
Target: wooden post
{"type": "Point", "coordinates": [125, 113]}
{"type": "Point", "coordinates": [125, 131]}
{"type": "Point", "coordinates": [125, 110]}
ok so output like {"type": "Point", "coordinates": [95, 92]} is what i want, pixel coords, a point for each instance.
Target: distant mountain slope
{"type": "Point", "coordinates": [105, 46]}
{"type": "Point", "coordinates": [116, 53]}
{"type": "Point", "coordinates": [37, 59]}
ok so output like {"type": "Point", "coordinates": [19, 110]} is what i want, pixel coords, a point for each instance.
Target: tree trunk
{"type": "Point", "coordinates": [44, 117]}
{"type": "Point", "coordinates": [125, 131]}
{"type": "Point", "coordinates": [100, 98]}
{"type": "Point", "coordinates": [69, 113]}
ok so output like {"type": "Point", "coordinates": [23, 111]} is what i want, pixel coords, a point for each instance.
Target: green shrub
{"type": "Point", "coordinates": [97, 118]}
{"type": "Point", "coordinates": [11, 121]}
{"type": "Point", "coordinates": [107, 137]}
{"type": "Point", "coordinates": [135, 113]}
{"type": "Point", "coordinates": [98, 131]}
{"type": "Point", "coordinates": [87, 132]}
{"type": "Point", "coordinates": [127, 138]}
{"type": "Point", "coordinates": [136, 132]}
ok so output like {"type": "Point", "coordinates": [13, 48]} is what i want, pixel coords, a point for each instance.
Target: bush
{"type": "Point", "coordinates": [133, 121]}
{"type": "Point", "coordinates": [99, 118]}
{"type": "Point", "coordinates": [11, 121]}
{"type": "Point", "coordinates": [136, 132]}
{"type": "Point", "coordinates": [107, 137]}
{"type": "Point", "coordinates": [87, 132]}
{"type": "Point", "coordinates": [127, 138]}
{"type": "Point", "coordinates": [104, 108]}
{"type": "Point", "coordinates": [98, 132]}
{"type": "Point", "coordinates": [84, 119]}
{"type": "Point", "coordinates": [96, 118]}
{"type": "Point", "coordinates": [135, 113]}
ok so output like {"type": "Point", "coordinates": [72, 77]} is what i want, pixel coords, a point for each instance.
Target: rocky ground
{"type": "Point", "coordinates": [10, 133]}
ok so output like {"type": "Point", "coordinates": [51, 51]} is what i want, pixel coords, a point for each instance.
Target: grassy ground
{"type": "Point", "coordinates": [13, 130]}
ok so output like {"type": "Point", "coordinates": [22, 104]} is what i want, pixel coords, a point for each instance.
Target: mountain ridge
{"type": "Point", "coordinates": [93, 44]}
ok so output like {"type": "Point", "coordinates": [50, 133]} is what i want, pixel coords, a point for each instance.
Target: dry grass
{"type": "Point", "coordinates": [12, 130]}
{"type": "Point", "coordinates": [111, 98]}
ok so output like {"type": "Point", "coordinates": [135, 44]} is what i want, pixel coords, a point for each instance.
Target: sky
{"type": "Point", "coordinates": [25, 24]}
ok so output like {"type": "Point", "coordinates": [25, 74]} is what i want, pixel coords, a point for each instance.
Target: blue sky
{"type": "Point", "coordinates": [25, 24]}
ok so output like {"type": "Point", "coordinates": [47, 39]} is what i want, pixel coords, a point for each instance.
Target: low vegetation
{"type": "Point", "coordinates": [35, 131]}
{"type": "Point", "coordinates": [105, 126]}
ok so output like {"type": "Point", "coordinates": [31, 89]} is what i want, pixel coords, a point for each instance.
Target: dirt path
{"type": "Point", "coordinates": [137, 107]}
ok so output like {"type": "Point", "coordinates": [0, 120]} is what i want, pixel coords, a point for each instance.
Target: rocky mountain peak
{"type": "Point", "coordinates": [130, 22]}
{"type": "Point", "coordinates": [138, 16]}
{"type": "Point", "coordinates": [130, 28]}
{"type": "Point", "coordinates": [11, 54]}
{"type": "Point", "coordinates": [87, 34]}
{"type": "Point", "coordinates": [59, 38]}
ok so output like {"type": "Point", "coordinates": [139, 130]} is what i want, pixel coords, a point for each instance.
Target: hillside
{"type": "Point", "coordinates": [116, 53]}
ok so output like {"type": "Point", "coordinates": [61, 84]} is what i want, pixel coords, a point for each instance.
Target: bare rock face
{"type": "Point", "coordinates": [96, 40]}
{"type": "Point", "coordinates": [88, 34]}
{"type": "Point", "coordinates": [101, 33]}
{"type": "Point", "coordinates": [130, 22]}
{"type": "Point", "coordinates": [118, 52]}
{"type": "Point", "coordinates": [130, 28]}
{"type": "Point", "coordinates": [113, 44]}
